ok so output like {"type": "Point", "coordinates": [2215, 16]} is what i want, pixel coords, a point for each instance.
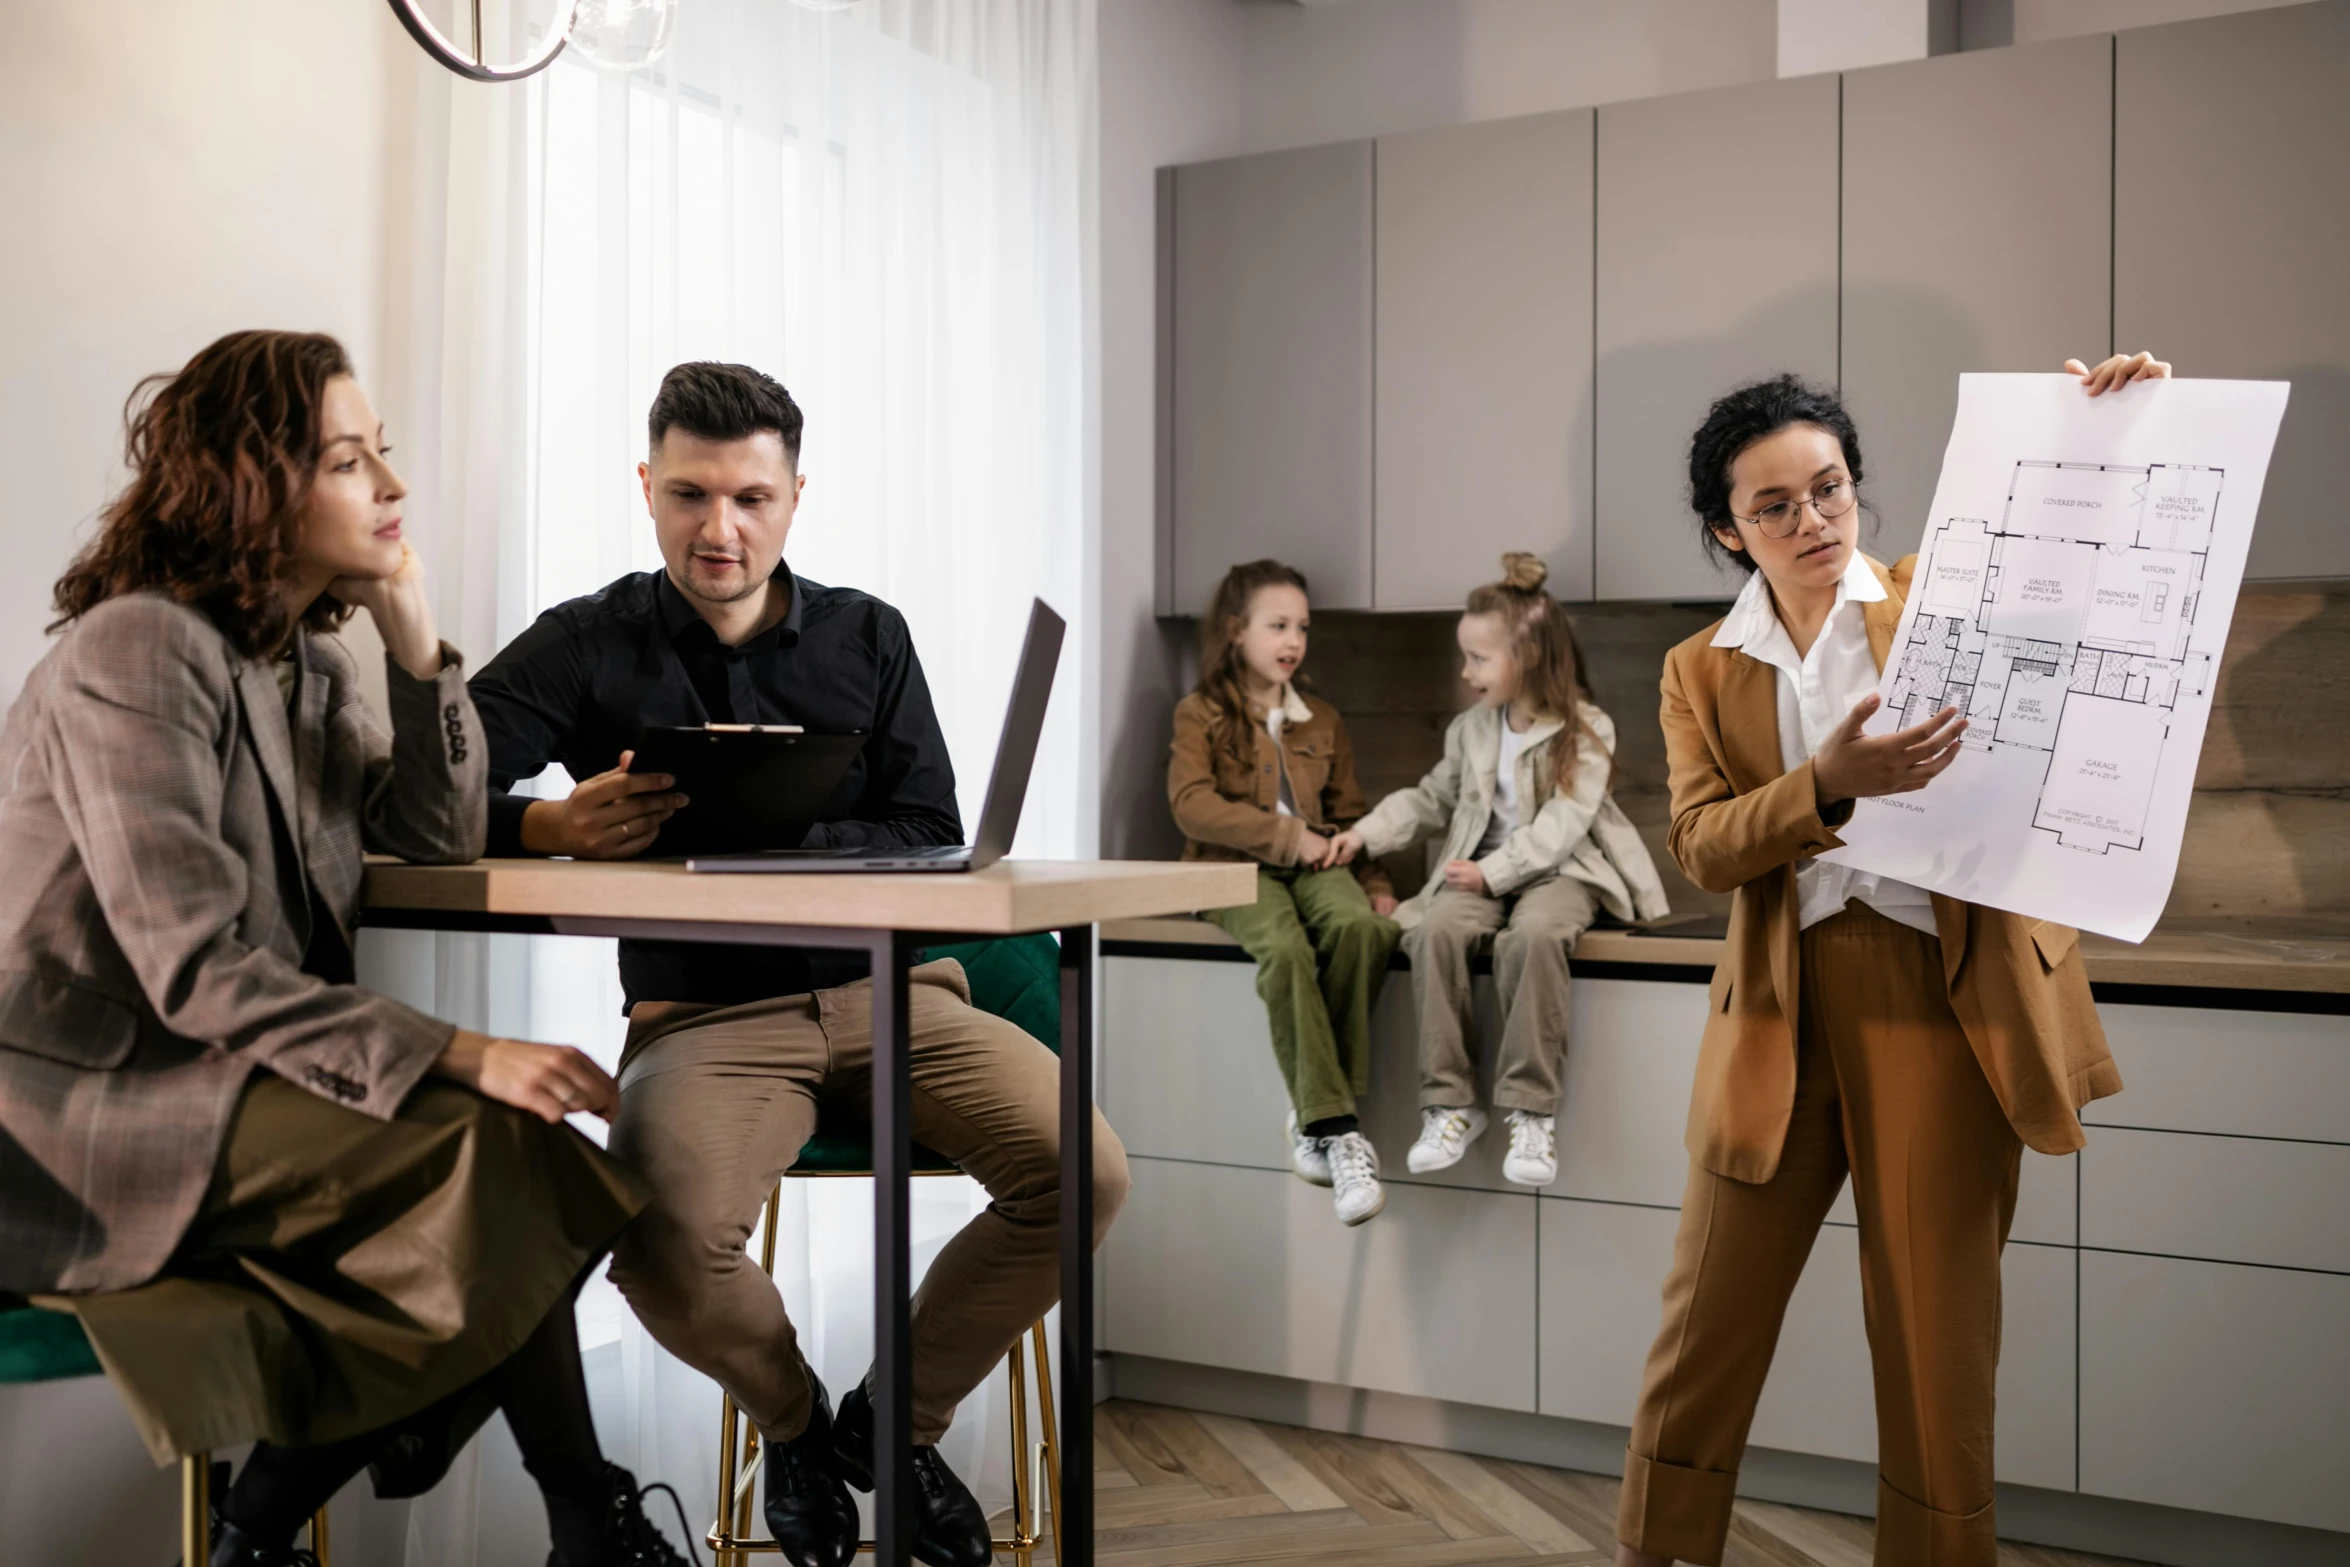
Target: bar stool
{"type": "Point", "coordinates": [38, 1345]}
{"type": "Point", "coordinates": [1019, 979]}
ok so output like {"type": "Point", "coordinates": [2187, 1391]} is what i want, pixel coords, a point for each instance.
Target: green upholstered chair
{"type": "Point", "coordinates": [49, 1346]}
{"type": "Point", "coordinates": [1017, 978]}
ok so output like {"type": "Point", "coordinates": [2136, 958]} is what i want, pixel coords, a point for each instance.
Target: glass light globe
{"type": "Point", "coordinates": [624, 35]}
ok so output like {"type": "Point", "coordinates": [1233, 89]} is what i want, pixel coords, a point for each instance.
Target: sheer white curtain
{"type": "Point", "coordinates": [881, 207]}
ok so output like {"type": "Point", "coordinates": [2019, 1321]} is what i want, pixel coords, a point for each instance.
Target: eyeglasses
{"type": "Point", "coordinates": [1780, 519]}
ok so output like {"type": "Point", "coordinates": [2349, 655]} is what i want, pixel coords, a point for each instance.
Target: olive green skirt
{"type": "Point", "coordinates": [345, 1274]}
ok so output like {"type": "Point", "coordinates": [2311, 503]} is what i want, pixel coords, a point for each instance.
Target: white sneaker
{"type": "Point", "coordinates": [1307, 1157]}
{"type": "Point", "coordinates": [1354, 1177]}
{"type": "Point", "coordinates": [1533, 1158]}
{"type": "Point", "coordinates": [1445, 1134]}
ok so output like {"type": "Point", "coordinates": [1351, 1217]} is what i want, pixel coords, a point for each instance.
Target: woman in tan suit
{"type": "Point", "coordinates": [287, 1210]}
{"type": "Point", "coordinates": [1860, 1026]}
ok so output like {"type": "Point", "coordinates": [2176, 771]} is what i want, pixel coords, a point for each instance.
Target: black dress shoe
{"type": "Point", "coordinates": [609, 1528]}
{"type": "Point", "coordinates": [809, 1510]}
{"type": "Point", "coordinates": [949, 1528]}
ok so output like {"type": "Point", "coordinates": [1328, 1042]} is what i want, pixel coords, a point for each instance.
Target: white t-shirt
{"type": "Point", "coordinates": [1816, 692]}
{"type": "Point", "coordinates": [1508, 816]}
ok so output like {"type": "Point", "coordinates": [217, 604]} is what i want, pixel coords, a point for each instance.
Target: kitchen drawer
{"type": "Point", "coordinates": [2249, 1074]}
{"type": "Point", "coordinates": [1249, 1269]}
{"type": "Point", "coordinates": [2221, 1199]}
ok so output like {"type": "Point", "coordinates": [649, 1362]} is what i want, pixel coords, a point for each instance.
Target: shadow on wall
{"type": "Point", "coordinates": [1136, 824]}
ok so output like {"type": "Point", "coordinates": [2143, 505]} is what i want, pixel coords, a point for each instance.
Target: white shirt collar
{"type": "Point", "coordinates": [1753, 619]}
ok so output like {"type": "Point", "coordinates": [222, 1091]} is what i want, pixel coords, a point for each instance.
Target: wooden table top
{"type": "Point", "coordinates": [1005, 899]}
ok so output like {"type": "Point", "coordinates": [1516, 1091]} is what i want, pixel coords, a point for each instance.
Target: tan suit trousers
{"type": "Point", "coordinates": [715, 1103]}
{"type": "Point", "coordinates": [1532, 932]}
{"type": "Point", "coordinates": [1888, 1090]}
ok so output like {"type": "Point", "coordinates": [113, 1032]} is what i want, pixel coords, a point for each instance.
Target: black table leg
{"type": "Point", "coordinates": [893, 1287]}
{"type": "Point", "coordinates": [1073, 1546]}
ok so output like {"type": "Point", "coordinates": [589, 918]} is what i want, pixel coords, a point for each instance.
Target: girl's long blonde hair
{"type": "Point", "coordinates": [1550, 661]}
{"type": "Point", "coordinates": [1220, 673]}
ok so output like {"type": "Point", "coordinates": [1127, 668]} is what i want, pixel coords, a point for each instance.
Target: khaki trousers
{"type": "Point", "coordinates": [1888, 1089]}
{"type": "Point", "coordinates": [1532, 933]}
{"type": "Point", "coordinates": [715, 1103]}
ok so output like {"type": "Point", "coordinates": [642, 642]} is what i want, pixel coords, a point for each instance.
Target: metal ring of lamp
{"type": "Point", "coordinates": [473, 67]}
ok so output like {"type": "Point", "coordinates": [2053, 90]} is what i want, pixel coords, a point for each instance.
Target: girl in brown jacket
{"type": "Point", "coordinates": [1859, 1026]}
{"type": "Point", "coordinates": [1263, 772]}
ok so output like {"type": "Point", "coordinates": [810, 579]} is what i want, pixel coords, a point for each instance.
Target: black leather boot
{"type": "Point", "coordinates": [610, 1529]}
{"type": "Point", "coordinates": [949, 1528]}
{"type": "Point", "coordinates": [809, 1510]}
{"type": "Point", "coordinates": [232, 1547]}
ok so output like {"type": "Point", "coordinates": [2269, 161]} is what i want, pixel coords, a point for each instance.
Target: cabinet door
{"type": "Point", "coordinates": [1484, 355]}
{"type": "Point", "coordinates": [2231, 222]}
{"type": "Point", "coordinates": [1716, 250]}
{"type": "Point", "coordinates": [2216, 1387]}
{"type": "Point", "coordinates": [1271, 330]}
{"type": "Point", "coordinates": [1977, 236]}
{"type": "Point", "coordinates": [1247, 1269]}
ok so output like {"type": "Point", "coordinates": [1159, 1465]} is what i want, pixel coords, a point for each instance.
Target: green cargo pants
{"type": "Point", "coordinates": [1321, 958]}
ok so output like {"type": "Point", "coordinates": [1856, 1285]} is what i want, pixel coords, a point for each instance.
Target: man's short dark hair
{"type": "Point", "coordinates": [722, 402]}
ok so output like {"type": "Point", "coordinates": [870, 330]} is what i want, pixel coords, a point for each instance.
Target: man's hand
{"type": "Point", "coordinates": [1464, 876]}
{"type": "Point", "coordinates": [612, 816]}
{"type": "Point", "coordinates": [1853, 766]}
{"type": "Point", "coordinates": [549, 1081]}
{"type": "Point", "coordinates": [2113, 374]}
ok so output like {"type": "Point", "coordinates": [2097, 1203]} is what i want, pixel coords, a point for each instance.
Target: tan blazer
{"type": "Point", "coordinates": [172, 845]}
{"type": "Point", "coordinates": [1740, 825]}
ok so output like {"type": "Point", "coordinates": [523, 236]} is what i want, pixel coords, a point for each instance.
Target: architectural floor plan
{"type": "Point", "coordinates": [2064, 631]}
{"type": "Point", "coordinates": [2071, 597]}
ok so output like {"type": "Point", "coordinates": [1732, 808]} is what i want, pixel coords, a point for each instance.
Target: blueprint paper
{"type": "Point", "coordinates": [2072, 598]}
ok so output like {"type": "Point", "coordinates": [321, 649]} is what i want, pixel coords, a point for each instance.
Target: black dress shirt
{"type": "Point", "coordinates": [590, 676]}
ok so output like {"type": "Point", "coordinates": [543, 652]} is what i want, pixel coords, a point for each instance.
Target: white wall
{"type": "Point", "coordinates": [167, 173]}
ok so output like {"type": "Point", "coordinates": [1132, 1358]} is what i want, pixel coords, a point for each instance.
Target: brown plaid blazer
{"type": "Point", "coordinates": [170, 844]}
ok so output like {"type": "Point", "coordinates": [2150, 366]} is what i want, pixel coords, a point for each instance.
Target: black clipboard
{"type": "Point", "coordinates": [749, 787]}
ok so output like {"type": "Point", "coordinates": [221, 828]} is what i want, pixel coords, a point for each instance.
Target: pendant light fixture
{"type": "Point", "coordinates": [474, 64]}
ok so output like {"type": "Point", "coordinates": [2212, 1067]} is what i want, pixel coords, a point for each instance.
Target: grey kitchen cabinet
{"type": "Point", "coordinates": [1483, 332]}
{"type": "Point", "coordinates": [1977, 236]}
{"type": "Point", "coordinates": [2231, 225]}
{"type": "Point", "coordinates": [1716, 255]}
{"type": "Point", "coordinates": [1270, 329]}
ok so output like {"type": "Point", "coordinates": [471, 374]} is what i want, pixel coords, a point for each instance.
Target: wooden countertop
{"type": "Point", "coordinates": [2278, 955]}
{"type": "Point", "coordinates": [1006, 898]}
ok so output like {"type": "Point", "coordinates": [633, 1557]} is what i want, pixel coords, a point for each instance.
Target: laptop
{"type": "Point", "coordinates": [1007, 784]}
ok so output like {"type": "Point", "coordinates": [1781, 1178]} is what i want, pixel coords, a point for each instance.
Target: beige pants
{"type": "Point", "coordinates": [715, 1103]}
{"type": "Point", "coordinates": [1532, 931]}
{"type": "Point", "coordinates": [1888, 1089]}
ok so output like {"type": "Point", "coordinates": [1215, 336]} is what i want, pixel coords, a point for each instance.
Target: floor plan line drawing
{"type": "Point", "coordinates": [2064, 632]}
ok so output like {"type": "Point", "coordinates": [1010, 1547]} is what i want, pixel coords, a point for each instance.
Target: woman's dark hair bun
{"type": "Point", "coordinates": [1524, 572]}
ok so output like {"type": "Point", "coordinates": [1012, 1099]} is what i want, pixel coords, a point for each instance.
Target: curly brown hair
{"type": "Point", "coordinates": [222, 456]}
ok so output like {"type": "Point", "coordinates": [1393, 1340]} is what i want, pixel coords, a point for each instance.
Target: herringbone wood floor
{"type": "Point", "coordinates": [1178, 1489]}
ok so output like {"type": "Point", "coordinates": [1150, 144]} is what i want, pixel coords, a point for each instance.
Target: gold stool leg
{"type": "Point", "coordinates": [319, 1544]}
{"type": "Point", "coordinates": [1022, 1544]}
{"type": "Point", "coordinates": [738, 1463]}
{"type": "Point", "coordinates": [195, 1509]}
{"type": "Point", "coordinates": [1050, 1448]}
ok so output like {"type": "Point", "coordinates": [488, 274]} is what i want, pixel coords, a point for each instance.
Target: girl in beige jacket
{"type": "Point", "coordinates": [1534, 849]}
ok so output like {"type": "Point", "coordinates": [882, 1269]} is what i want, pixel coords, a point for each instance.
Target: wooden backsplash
{"type": "Point", "coordinates": [2268, 834]}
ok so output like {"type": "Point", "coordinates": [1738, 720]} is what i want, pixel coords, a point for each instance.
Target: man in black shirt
{"type": "Point", "coordinates": [731, 1049]}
